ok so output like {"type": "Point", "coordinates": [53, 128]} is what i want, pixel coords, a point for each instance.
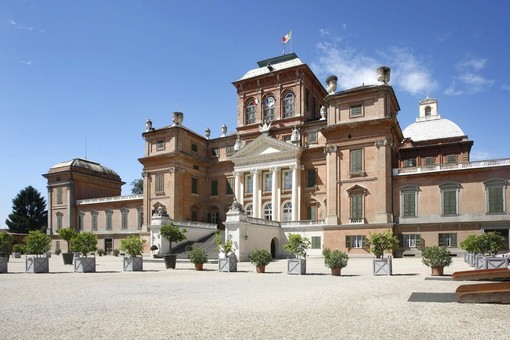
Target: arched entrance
{"type": "Point", "coordinates": [274, 247]}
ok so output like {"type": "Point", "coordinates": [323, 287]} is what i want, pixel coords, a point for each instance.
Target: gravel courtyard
{"type": "Point", "coordinates": [184, 304]}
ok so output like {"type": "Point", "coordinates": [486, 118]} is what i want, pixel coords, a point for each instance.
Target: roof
{"type": "Point", "coordinates": [86, 164]}
{"type": "Point", "coordinates": [273, 64]}
{"type": "Point", "coordinates": [430, 129]}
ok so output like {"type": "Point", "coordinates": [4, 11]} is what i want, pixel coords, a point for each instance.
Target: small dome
{"type": "Point", "coordinates": [432, 129]}
{"type": "Point", "coordinates": [86, 164]}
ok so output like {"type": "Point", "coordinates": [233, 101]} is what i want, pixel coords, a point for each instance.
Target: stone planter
{"type": "Point", "coordinates": [336, 271]}
{"type": "Point", "coordinates": [37, 265]}
{"type": "Point", "coordinates": [16, 255]}
{"type": "Point", "coordinates": [68, 258]}
{"type": "Point", "coordinates": [170, 261]}
{"type": "Point", "coordinates": [133, 264]}
{"type": "Point", "coordinates": [382, 266]}
{"type": "Point", "coordinates": [228, 264]}
{"type": "Point", "coordinates": [495, 262]}
{"type": "Point", "coordinates": [3, 265]}
{"type": "Point", "coordinates": [479, 262]}
{"type": "Point", "coordinates": [437, 270]}
{"type": "Point", "coordinates": [296, 266]}
{"type": "Point", "coordinates": [85, 264]}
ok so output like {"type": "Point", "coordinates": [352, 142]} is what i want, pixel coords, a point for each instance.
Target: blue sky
{"type": "Point", "coordinates": [79, 78]}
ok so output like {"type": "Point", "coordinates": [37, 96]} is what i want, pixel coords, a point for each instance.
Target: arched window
{"type": "Point", "coordinates": [287, 211]}
{"type": "Point", "coordinates": [428, 111]}
{"type": "Point", "coordinates": [288, 105]}
{"type": "Point", "coordinates": [269, 105]}
{"type": "Point", "coordinates": [249, 209]}
{"type": "Point", "coordinates": [268, 211]}
{"type": "Point", "coordinates": [249, 112]}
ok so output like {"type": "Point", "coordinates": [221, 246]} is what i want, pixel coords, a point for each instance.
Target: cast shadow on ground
{"type": "Point", "coordinates": [432, 297]}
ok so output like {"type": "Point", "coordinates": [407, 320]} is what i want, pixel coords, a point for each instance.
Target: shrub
{"type": "Point", "coordinates": [6, 240]}
{"type": "Point", "coordinates": [18, 248]}
{"type": "Point", "coordinates": [37, 243]}
{"type": "Point", "coordinates": [58, 251]}
{"type": "Point", "coordinates": [490, 243]}
{"type": "Point", "coordinates": [335, 259]}
{"type": "Point", "coordinates": [260, 257]}
{"type": "Point", "coordinates": [380, 243]}
{"type": "Point", "coordinates": [297, 245]}
{"type": "Point", "coordinates": [470, 244]}
{"type": "Point", "coordinates": [84, 243]}
{"type": "Point", "coordinates": [197, 255]}
{"type": "Point", "coordinates": [224, 247]}
{"type": "Point", "coordinates": [100, 252]}
{"type": "Point", "coordinates": [133, 245]}
{"type": "Point", "coordinates": [436, 256]}
{"type": "Point", "coordinates": [115, 252]}
{"type": "Point", "coordinates": [67, 235]}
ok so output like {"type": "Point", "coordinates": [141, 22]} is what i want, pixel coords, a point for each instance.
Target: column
{"type": "Point", "coordinates": [274, 195]}
{"type": "Point", "coordinates": [49, 231]}
{"type": "Point", "coordinates": [332, 176]}
{"type": "Point", "coordinates": [256, 195]}
{"type": "Point", "coordinates": [69, 211]}
{"type": "Point", "coordinates": [237, 188]}
{"type": "Point", "coordinates": [295, 187]}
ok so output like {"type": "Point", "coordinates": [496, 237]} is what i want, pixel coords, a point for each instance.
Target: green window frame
{"type": "Point", "coordinates": [356, 161]}
{"type": "Point", "coordinates": [409, 202]}
{"type": "Point", "coordinates": [159, 183]}
{"type": "Point", "coordinates": [316, 242]}
{"type": "Point", "coordinates": [448, 240]}
{"type": "Point", "coordinates": [311, 178]}
{"type": "Point", "coordinates": [194, 185]}
{"type": "Point", "coordinates": [214, 188]}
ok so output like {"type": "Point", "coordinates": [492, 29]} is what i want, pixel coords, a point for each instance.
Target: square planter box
{"type": "Point", "coordinates": [16, 255]}
{"type": "Point", "coordinates": [495, 262]}
{"type": "Point", "coordinates": [133, 264]}
{"type": "Point", "coordinates": [85, 264]}
{"type": "Point", "coordinates": [382, 266]}
{"type": "Point", "coordinates": [480, 262]}
{"type": "Point", "coordinates": [296, 266]}
{"type": "Point", "coordinates": [228, 264]}
{"type": "Point", "coordinates": [3, 265]}
{"type": "Point", "coordinates": [37, 265]}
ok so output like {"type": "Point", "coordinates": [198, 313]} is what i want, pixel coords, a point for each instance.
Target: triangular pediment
{"type": "Point", "coordinates": [265, 149]}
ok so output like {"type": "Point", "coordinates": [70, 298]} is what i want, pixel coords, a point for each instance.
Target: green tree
{"type": "Point", "coordinates": [137, 186]}
{"type": "Point", "coordinates": [28, 212]}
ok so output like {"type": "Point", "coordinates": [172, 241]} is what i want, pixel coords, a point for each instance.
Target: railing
{"type": "Point", "coordinates": [357, 220]}
{"type": "Point", "coordinates": [109, 199]}
{"type": "Point", "coordinates": [285, 224]}
{"type": "Point", "coordinates": [451, 167]}
{"type": "Point", "coordinates": [193, 224]}
{"type": "Point", "coordinates": [263, 221]}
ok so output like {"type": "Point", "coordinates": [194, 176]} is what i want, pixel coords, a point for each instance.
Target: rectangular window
{"type": "Point", "coordinates": [194, 185]}
{"type": "Point", "coordinates": [430, 161]}
{"type": "Point", "coordinates": [412, 241]}
{"type": "Point", "coordinates": [312, 213]}
{"type": "Point", "coordinates": [214, 188]}
{"type": "Point", "coordinates": [451, 159]}
{"type": "Point", "coordinates": [268, 181]}
{"type": "Point", "coordinates": [230, 186]}
{"type": "Point", "coordinates": [287, 180]}
{"type": "Point", "coordinates": [449, 202]}
{"type": "Point", "coordinates": [80, 221]}
{"type": "Point", "coordinates": [356, 208]}
{"type": "Point", "coordinates": [59, 220]}
{"type": "Point", "coordinates": [248, 184]}
{"type": "Point", "coordinates": [230, 150]}
{"type": "Point", "coordinates": [410, 162]}
{"type": "Point", "coordinates": [94, 221]}
{"type": "Point", "coordinates": [59, 195]}
{"type": "Point", "coordinates": [447, 240]}
{"type": "Point", "coordinates": [109, 220]}
{"type": "Point", "coordinates": [159, 183]}
{"type": "Point", "coordinates": [215, 152]}
{"type": "Point", "coordinates": [355, 241]}
{"type": "Point", "coordinates": [196, 167]}
{"type": "Point", "coordinates": [312, 137]}
{"type": "Point", "coordinates": [194, 147]}
{"type": "Point", "coordinates": [409, 204]}
{"type": "Point", "coordinates": [194, 215]}
{"type": "Point", "coordinates": [124, 219]}
{"type": "Point", "coordinates": [356, 159]}
{"type": "Point", "coordinates": [311, 179]}
{"type": "Point", "coordinates": [316, 242]}
{"type": "Point", "coordinates": [160, 145]}
{"type": "Point", "coordinates": [496, 200]}
{"type": "Point", "coordinates": [356, 111]}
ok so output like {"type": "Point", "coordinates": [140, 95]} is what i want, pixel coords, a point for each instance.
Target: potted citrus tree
{"type": "Point", "coordinates": [379, 244]}
{"type": "Point", "coordinates": [470, 245]}
{"type": "Point", "coordinates": [260, 258]}
{"type": "Point", "coordinates": [6, 240]}
{"type": "Point", "coordinates": [227, 260]}
{"type": "Point", "coordinates": [133, 246]}
{"type": "Point", "coordinates": [67, 235]}
{"type": "Point", "coordinates": [436, 258]}
{"type": "Point", "coordinates": [197, 256]}
{"type": "Point", "coordinates": [37, 244]}
{"type": "Point", "coordinates": [489, 244]}
{"type": "Point", "coordinates": [17, 250]}
{"type": "Point", "coordinates": [85, 243]}
{"type": "Point", "coordinates": [173, 234]}
{"type": "Point", "coordinates": [335, 260]}
{"type": "Point", "coordinates": [297, 245]}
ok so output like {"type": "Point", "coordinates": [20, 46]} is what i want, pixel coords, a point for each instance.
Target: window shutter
{"type": "Point", "coordinates": [347, 241]}
{"type": "Point", "coordinates": [363, 241]}
{"type": "Point", "coordinates": [454, 239]}
{"type": "Point", "coordinates": [401, 240]}
{"type": "Point", "coordinates": [418, 240]}
{"type": "Point", "coordinates": [440, 240]}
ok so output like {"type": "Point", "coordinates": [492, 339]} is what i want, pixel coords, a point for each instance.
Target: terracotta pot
{"type": "Point", "coordinates": [336, 271]}
{"type": "Point", "coordinates": [261, 268]}
{"type": "Point", "coordinates": [437, 271]}
{"type": "Point", "coordinates": [199, 266]}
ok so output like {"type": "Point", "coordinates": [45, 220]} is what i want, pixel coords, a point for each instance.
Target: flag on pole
{"type": "Point", "coordinates": [287, 37]}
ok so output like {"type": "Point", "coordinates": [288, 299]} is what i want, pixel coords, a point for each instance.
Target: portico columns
{"type": "Point", "coordinates": [295, 192]}
{"type": "Point", "coordinates": [275, 199]}
{"type": "Point", "coordinates": [256, 194]}
{"type": "Point", "coordinates": [237, 185]}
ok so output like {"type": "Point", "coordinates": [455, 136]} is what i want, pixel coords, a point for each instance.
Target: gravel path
{"type": "Point", "coordinates": [185, 304]}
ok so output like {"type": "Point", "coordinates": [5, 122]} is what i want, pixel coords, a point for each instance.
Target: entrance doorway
{"type": "Point", "coordinates": [108, 246]}
{"type": "Point", "coordinates": [274, 247]}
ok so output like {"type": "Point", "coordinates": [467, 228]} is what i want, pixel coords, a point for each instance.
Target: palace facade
{"type": "Point", "coordinates": [332, 165]}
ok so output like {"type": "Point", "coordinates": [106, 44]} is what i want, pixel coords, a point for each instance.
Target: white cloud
{"type": "Point", "coordinates": [21, 27]}
{"type": "Point", "coordinates": [481, 155]}
{"type": "Point", "coordinates": [354, 68]}
{"type": "Point", "coordinates": [469, 78]}
{"type": "Point", "coordinates": [26, 62]}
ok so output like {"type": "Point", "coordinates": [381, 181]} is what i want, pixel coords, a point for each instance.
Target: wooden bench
{"type": "Point", "coordinates": [500, 274]}
{"type": "Point", "coordinates": [484, 293]}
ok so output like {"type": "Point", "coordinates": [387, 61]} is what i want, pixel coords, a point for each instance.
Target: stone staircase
{"type": "Point", "coordinates": [206, 242]}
